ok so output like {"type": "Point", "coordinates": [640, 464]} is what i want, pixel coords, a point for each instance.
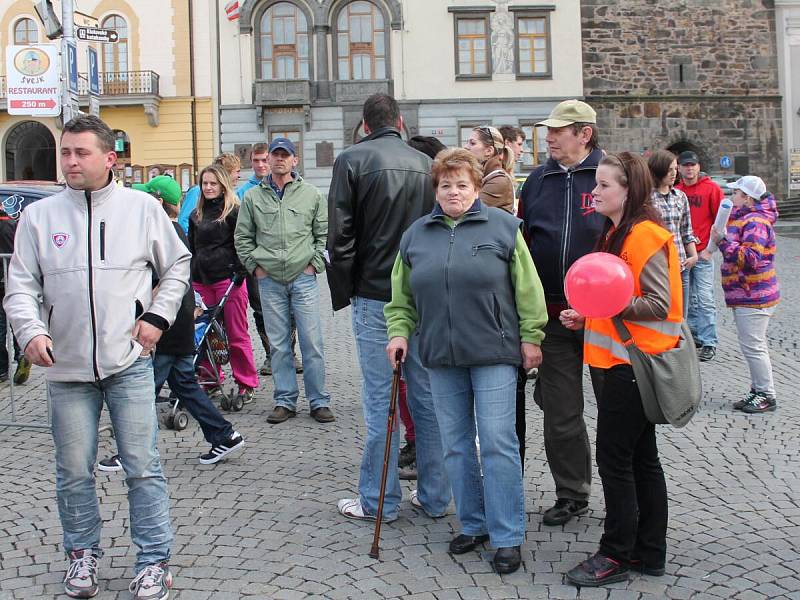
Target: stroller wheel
{"type": "Point", "coordinates": [181, 420]}
{"type": "Point", "coordinates": [169, 421]}
{"type": "Point", "coordinates": [224, 402]}
{"type": "Point", "coordinates": [237, 403]}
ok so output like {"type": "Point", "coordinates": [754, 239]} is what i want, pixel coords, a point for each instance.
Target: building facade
{"type": "Point", "coordinates": [787, 17]}
{"type": "Point", "coordinates": [150, 91]}
{"type": "Point", "coordinates": [691, 75]}
{"type": "Point", "coordinates": [303, 68]}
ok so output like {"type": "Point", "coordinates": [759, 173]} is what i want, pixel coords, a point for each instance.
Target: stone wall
{"type": "Point", "coordinates": [697, 74]}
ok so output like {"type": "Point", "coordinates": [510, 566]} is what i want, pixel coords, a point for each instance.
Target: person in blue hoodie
{"type": "Point", "coordinates": [561, 225]}
{"type": "Point", "coordinates": [228, 161]}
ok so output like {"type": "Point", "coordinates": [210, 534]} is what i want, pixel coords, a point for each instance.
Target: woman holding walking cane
{"type": "Point", "coordinates": [479, 315]}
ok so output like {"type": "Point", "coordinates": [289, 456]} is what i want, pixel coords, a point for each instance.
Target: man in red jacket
{"type": "Point", "coordinates": [704, 200]}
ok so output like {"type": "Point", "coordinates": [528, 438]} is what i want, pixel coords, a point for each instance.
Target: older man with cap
{"type": "Point", "coordinates": [561, 225]}
{"type": "Point", "coordinates": [280, 238]}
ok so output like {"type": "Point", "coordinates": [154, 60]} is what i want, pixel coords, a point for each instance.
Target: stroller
{"type": "Point", "coordinates": [212, 352]}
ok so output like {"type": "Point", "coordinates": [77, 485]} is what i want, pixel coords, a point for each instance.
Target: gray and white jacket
{"type": "Point", "coordinates": [82, 274]}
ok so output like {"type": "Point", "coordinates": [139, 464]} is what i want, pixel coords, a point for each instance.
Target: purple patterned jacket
{"type": "Point", "coordinates": [748, 250]}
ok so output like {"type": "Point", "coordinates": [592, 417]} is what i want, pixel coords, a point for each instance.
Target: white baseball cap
{"type": "Point", "coordinates": [751, 185]}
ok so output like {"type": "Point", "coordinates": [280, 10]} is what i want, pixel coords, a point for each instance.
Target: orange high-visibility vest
{"type": "Point", "coordinates": [602, 346]}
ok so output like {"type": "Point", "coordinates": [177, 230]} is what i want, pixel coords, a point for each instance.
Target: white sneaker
{"type": "Point", "coordinates": [415, 498]}
{"type": "Point", "coordinates": [352, 509]}
{"type": "Point", "coordinates": [152, 583]}
{"type": "Point", "coordinates": [81, 578]}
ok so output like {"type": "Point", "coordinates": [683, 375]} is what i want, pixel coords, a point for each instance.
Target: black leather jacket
{"type": "Point", "coordinates": [380, 186]}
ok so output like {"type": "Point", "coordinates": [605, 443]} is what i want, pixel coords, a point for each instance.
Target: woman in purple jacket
{"type": "Point", "coordinates": [750, 283]}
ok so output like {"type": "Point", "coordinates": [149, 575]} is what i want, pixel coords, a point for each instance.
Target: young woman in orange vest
{"type": "Point", "coordinates": [627, 457]}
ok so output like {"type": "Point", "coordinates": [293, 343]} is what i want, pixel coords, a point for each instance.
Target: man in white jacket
{"type": "Point", "coordinates": [80, 300]}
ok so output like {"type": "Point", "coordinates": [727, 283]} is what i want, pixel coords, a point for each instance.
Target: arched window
{"type": "Point", "coordinates": [361, 42]}
{"type": "Point", "coordinates": [283, 49]}
{"type": "Point", "coordinates": [115, 56]}
{"type": "Point", "coordinates": [26, 32]}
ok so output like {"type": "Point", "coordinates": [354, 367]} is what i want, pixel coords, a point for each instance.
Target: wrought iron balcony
{"type": "Point", "coordinates": [125, 83]}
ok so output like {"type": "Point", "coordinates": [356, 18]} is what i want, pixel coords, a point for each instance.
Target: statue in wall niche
{"type": "Point", "coordinates": [502, 39]}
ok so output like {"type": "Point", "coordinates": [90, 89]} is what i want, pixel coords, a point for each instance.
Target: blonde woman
{"type": "Point", "coordinates": [214, 261]}
{"type": "Point", "coordinates": [497, 161]}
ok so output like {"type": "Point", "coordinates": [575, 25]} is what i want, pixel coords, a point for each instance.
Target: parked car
{"type": "Point", "coordinates": [16, 195]}
{"type": "Point", "coordinates": [722, 180]}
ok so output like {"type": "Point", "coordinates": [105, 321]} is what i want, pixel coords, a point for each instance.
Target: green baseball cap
{"type": "Point", "coordinates": [569, 112]}
{"type": "Point", "coordinates": [164, 187]}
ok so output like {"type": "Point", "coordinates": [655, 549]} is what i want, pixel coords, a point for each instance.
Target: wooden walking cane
{"type": "Point", "coordinates": [376, 539]}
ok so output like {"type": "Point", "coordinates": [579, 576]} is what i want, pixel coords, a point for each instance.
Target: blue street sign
{"type": "Point", "coordinates": [725, 162]}
{"type": "Point", "coordinates": [72, 62]}
{"type": "Point", "coordinates": [94, 72]}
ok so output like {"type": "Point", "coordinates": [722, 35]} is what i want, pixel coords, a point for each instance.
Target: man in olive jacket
{"type": "Point", "coordinates": [280, 238]}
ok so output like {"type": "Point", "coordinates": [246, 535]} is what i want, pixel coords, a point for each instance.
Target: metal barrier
{"type": "Point", "coordinates": [9, 343]}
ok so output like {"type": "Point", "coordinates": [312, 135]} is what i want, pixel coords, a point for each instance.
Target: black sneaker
{"type": "Point", "coordinates": [759, 403]}
{"type": "Point", "coordinates": [221, 451]}
{"type": "Point", "coordinates": [739, 404]}
{"type": "Point", "coordinates": [563, 510]}
{"type": "Point", "coordinates": [597, 570]}
{"type": "Point", "coordinates": [408, 454]}
{"type": "Point", "coordinates": [706, 353]}
{"type": "Point", "coordinates": [110, 464]}
{"type": "Point", "coordinates": [409, 472]}
{"type": "Point", "coordinates": [640, 567]}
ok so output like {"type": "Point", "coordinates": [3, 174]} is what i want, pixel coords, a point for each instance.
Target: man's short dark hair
{"type": "Point", "coordinates": [260, 148]}
{"type": "Point", "coordinates": [510, 133]}
{"type": "Point", "coordinates": [594, 140]}
{"type": "Point", "coordinates": [105, 136]}
{"type": "Point", "coordinates": [427, 145]}
{"type": "Point", "coordinates": [381, 110]}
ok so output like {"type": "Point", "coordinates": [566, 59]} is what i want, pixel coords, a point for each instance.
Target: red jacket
{"type": "Point", "coordinates": [704, 200]}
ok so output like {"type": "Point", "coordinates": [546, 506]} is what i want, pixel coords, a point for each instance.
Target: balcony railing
{"type": "Point", "coordinates": [125, 83]}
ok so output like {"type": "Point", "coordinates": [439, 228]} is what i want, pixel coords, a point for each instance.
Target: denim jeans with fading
{"type": "Point", "coordinates": [369, 330]}
{"type": "Point", "coordinates": [130, 398]}
{"type": "Point", "coordinates": [486, 396]}
{"type": "Point", "coordinates": [702, 314]}
{"type": "Point", "coordinates": [279, 301]}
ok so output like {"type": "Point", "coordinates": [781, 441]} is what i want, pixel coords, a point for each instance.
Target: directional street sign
{"type": "Point", "coordinates": [33, 80]}
{"type": "Point", "coordinates": [94, 72]}
{"type": "Point", "coordinates": [95, 34]}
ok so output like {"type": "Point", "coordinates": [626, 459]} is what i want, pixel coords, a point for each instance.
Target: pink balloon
{"type": "Point", "coordinates": [599, 285]}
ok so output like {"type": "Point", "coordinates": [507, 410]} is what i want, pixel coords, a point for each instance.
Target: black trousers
{"type": "Point", "coordinates": [631, 473]}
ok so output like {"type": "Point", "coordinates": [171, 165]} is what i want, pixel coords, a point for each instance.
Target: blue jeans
{"type": "Point", "coordinates": [369, 330]}
{"type": "Point", "coordinates": [685, 283]}
{"type": "Point", "coordinates": [494, 504]}
{"type": "Point", "coordinates": [702, 315]}
{"type": "Point", "coordinates": [278, 302]}
{"type": "Point", "coordinates": [179, 372]}
{"type": "Point", "coordinates": [76, 411]}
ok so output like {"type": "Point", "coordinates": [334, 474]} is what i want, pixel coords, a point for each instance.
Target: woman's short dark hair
{"type": "Point", "coordinates": [427, 145]}
{"type": "Point", "coordinates": [633, 174]}
{"type": "Point", "coordinates": [381, 110]}
{"type": "Point", "coordinates": [659, 163]}
{"type": "Point", "coordinates": [452, 160]}
{"type": "Point", "coordinates": [103, 133]}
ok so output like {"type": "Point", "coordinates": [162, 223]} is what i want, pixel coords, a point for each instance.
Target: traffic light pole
{"type": "Point", "coordinates": [68, 25]}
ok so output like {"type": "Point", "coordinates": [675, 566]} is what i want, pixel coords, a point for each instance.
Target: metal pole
{"type": "Point", "coordinates": [68, 24]}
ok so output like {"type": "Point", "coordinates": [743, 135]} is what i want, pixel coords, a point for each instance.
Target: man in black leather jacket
{"type": "Point", "coordinates": [380, 186]}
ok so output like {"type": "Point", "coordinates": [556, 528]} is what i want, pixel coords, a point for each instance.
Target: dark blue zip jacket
{"type": "Point", "coordinates": [559, 220]}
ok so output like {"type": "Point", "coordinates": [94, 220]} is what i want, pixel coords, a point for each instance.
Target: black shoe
{"type": "Point", "coordinates": [760, 402]}
{"type": "Point", "coordinates": [322, 414]}
{"type": "Point", "coordinates": [409, 472]}
{"type": "Point", "coordinates": [462, 544]}
{"type": "Point", "coordinates": [706, 353]}
{"type": "Point", "coordinates": [563, 510]}
{"type": "Point", "coordinates": [3, 376]}
{"type": "Point", "coordinates": [110, 464]}
{"type": "Point", "coordinates": [637, 565]}
{"type": "Point", "coordinates": [280, 414]}
{"type": "Point", "coordinates": [507, 560]}
{"type": "Point", "coordinates": [220, 451]}
{"type": "Point", "coordinates": [739, 404]}
{"type": "Point", "coordinates": [408, 454]}
{"type": "Point", "coordinates": [598, 570]}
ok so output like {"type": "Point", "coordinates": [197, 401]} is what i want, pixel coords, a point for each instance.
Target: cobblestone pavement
{"type": "Point", "coordinates": [264, 525]}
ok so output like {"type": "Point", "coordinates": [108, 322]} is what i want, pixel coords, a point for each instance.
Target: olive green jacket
{"type": "Point", "coordinates": [282, 236]}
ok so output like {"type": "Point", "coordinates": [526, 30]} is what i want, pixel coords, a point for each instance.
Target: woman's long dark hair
{"type": "Point", "coordinates": [633, 174]}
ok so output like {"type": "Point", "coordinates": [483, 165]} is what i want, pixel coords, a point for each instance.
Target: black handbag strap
{"type": "Point", "coordinates": [623, 332]}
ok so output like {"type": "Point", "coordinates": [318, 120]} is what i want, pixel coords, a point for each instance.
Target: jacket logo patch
{"type": "Point", "coordinates": [587, 204]}
{"type": "Point", "coordinates": [60, 239]}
